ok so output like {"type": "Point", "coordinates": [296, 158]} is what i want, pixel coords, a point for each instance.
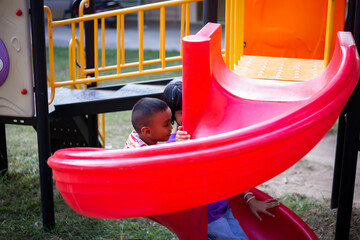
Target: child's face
{"type": "Point", "coordinates": [178, 117]}
{"type": "Point", "coordinates": [160, 127]}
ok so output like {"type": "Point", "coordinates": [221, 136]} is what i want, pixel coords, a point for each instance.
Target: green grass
{"type": "Point", "coordinates": [20, 217]}
{"type": "Point", "coordinates": [318, 215]}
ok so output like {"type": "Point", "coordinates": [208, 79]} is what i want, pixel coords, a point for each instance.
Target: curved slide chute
{"type": "Point", "coordinates": [246, 132]}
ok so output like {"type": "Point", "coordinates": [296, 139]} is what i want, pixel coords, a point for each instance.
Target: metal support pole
{"type": "Point", "coordinates": [89, 36]}
{"type": "Point", "coordinates": [3, 152]}
{"type": "Point", "coordinates": [349, 26]}
{"type": "Point", "coordinates": [350, 145]}
{"type": "Point", "coordinates": [89, 43]}
{"type": "Point", "coordinates": [42, 114]}
{"type": "Point", "coordinates": [348, 169]}
{"type": "Point", "coordinates": [338, 159]}
{"type": "Point", "coordinates": [356, 31]}
{"type": "Point", "coordinates": [350, 18]}
{"type": "Point", "coordinates": [210, 11]}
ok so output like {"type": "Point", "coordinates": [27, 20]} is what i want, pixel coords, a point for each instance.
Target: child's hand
{"type": "Point", "coordinates": [182, 135]}
{"type": "Point", "coordinates": [262, 206]}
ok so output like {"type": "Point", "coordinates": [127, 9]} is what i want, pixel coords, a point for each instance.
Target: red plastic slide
{"type": "Point", "coordinates": [247, 131]}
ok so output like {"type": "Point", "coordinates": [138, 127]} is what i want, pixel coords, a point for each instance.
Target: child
{"type": "Point", "coordinates": [221, 222]}
{"type": "Point", "coordinates": [173, 97]}
{"type": "Point", "coordinates": [151, 119]}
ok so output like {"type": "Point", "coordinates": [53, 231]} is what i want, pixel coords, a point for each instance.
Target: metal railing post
{"type": "Point", "coordinates": [42, 111]}
{"type": "Point", "coordinates": [89, 48]}
{"type": "Point", "coordinates": [348, 143]}
{"type": "Point", "coordinates": [210, 11]}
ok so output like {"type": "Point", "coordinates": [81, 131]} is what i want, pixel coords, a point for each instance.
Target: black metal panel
{"type": "Point", "coordinates": [65, 133]}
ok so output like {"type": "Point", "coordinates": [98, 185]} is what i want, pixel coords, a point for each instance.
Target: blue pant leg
{"type": "Point", "coordinates": [226, 228]}
{"type": "Point", "coordinates": [234, 225]}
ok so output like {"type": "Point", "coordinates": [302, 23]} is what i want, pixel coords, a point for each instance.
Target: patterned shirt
{"type": "Point", "coordinates": [134, 141]}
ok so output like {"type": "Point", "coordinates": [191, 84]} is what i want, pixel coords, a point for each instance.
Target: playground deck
{"type": "Point", "coordinates": [77, 102]}
{"type": "Point", "coordinates": [287, 69]}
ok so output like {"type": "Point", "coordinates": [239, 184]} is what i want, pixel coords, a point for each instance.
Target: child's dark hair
{"type": "Point", "coordinates": [144, 109]}
{"type": "Point", "coordinates": [173, 97]}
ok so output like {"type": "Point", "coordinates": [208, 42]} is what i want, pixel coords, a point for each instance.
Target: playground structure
{"type": "Point", "coordinates": [89, 71]}
{"type": "Point", "coordinates": [174, 177]}
{"type": "Point", "coordinates": [16, 91]}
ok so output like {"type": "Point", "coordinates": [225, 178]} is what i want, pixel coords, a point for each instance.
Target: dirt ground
{"type": "Point", "coordinates": [313, 175]}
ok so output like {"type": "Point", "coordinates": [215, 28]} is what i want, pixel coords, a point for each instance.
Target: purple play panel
{"type": "Point", "coordinates": [4, 63]}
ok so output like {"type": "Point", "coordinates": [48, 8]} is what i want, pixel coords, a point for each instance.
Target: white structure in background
{"type": "Point", "coordinates": [16, 78]}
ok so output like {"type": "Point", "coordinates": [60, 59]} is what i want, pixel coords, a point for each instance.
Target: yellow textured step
{"type": "Point", "coordinates": [287, 69]}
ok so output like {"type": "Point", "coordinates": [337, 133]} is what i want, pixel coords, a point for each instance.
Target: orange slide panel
{"type": "Point", "coordinates": [283, 28]}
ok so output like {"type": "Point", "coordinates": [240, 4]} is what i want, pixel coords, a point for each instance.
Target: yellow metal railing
{"type": "Point", "coordinates": [78, 74]}
{"type": "Point", "coordinates": [329, 30]}
{"type": "Point", "coordinates": [234, 31]}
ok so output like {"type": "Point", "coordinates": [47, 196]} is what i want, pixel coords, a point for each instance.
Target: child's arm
{"type": "Point", "coordinates": [182, 135]}
{"type": "Point", "coordinates": [259, 206]}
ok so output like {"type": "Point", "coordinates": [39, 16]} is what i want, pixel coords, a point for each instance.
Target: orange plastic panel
{"type": "Point", "coordinates": [289, 28]}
